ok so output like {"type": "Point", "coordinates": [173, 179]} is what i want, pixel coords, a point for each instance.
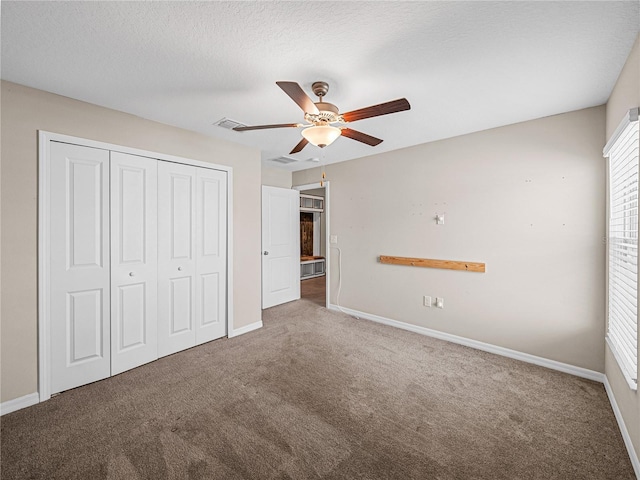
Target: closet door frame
{"type": "Point", "coordinates": [44, 231]}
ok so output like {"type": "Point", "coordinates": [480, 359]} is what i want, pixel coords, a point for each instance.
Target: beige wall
{"type": "Point", "coordinates": [24, 112]}
{"type": "Point", "coordinates": [276, 177]}
{"type": "Point", "coordinates": [527, 199]}
{"type": "Point", "coordinates": [625, 95]}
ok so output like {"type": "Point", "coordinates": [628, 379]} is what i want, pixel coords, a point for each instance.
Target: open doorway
{"type": "Point", "coordinates": [314, 255]}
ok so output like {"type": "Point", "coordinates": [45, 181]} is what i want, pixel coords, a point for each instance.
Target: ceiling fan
{"type": "Point", "coordinates": [323, 116]}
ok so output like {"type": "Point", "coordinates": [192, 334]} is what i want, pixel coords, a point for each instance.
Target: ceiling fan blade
{"type": "Point", "coordinates": [376, 110]}
{"type": "Point", "coordinates": [299, 146]}
{"type": "Point", "coordinates": [263, 127]}
{"type": "Point", "coordinates": [361, 137]}
{"type": "Point", "coordinates": [297, 95]}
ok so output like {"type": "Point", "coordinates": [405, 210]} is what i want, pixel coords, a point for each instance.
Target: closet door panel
{"type": "Point", "coordinates": [181, 305]}
{"type": "Point", "coordinates": [134, 257]}
{"type": "Point", "coordinates": [79, 266]}
{"type": "Point", "coordinates": [176, 257]}
{"type": "Point", "coordinates": [211, 254]}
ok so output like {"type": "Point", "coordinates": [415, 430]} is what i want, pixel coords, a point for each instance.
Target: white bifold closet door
{"type": "Point", "coordinates": [138, 261]}
{"type": "Point", "coordinates": [192, 227]}
{"type": "Point", "coordinates": [211, 254]}
{"type": "Point", "coordinates": [79, 253]}
{"type": "Point", "coordinates": [134, 261]}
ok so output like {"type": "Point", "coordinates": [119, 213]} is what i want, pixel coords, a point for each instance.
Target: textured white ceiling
{"type": "Point", "coordinates": [464, 66]}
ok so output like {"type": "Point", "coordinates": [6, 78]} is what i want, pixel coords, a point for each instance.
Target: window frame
{"type": "Point", "coordinates": [618, 347]}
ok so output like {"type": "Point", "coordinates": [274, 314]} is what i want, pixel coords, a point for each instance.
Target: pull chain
{"type": "Point", "coordinates": [322, 167]}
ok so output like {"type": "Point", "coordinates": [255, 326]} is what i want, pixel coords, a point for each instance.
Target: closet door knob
{"type": "Point", "coordinates": [131, 274]}
{"type": "Point", "coordinates": [179, 269]}
{"type": "Point", "coordinates": [265, 253]}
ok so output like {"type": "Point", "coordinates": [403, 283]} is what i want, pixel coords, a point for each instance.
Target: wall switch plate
{"type": "Point", "coordinates": [439, 302]}
{"type": "Point", "coordinates": [333, 239]}
{"type": "Point", "coordinates": [426, 301]}
{"type": "Point", "coordinates": [439, 218]}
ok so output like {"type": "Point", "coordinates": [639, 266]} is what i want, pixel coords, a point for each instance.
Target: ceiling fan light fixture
{"type": "Point", "coordinates": [321, 135]}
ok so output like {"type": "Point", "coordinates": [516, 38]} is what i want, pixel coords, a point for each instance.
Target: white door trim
{"type": "Point", "coordinates": [44, 226]}
{"type": "Point", "coordinates": [327, 253]}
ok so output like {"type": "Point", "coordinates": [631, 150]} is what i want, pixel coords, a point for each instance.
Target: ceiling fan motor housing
{"type": "Point", "coordinates": [327, 113]}
{"type": "Point", "coordinates": [326, 107]}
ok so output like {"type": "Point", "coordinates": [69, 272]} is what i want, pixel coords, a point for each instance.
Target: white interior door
{"type": "Point", "coordinates": [79, 275]}
{"type": "Point", "coordinates": [211, 254]}
{"type": "Point", "coordinates": [280, 246]}
{"type": "Point", "coordinates": [134, 261]}
{"type": "Point", "coordinates": [176, 257]}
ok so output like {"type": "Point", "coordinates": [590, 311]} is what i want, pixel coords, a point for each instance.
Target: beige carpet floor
{"type": "Point", "coordinates": [320, 395]}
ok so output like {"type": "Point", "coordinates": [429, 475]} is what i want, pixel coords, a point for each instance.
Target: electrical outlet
{"type": "Point", "coordinates": [426, 301]}
{"type": "Point", "coordinates": [333, 239]}
{"type": "Point", "coordinates": [439, 302]}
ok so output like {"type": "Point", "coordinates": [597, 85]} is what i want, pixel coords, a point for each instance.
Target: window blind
{"type": "Point", "coordinates": [622, 328]}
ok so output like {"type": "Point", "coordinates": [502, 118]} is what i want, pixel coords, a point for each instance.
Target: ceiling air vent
{"type": "Point", "coordinates": [229, 124]}
{"type": "Point", "coordinates": [284, 160]}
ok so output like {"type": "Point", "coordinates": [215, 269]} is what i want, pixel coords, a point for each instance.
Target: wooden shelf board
{"type": "Point", "coordinates": [306, 258]}
{"type": "Point", "coordinates": [432, 263]}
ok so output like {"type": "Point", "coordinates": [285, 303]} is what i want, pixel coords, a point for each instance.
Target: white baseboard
{"type": "Point", "coordinates": [246, 329]}
{"type": "Point", "coordinates": [486, 347]}
{"type": "Point", "coordinates": [623, 428]}
{"type": "Point", "coordinates": [19, 403]}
